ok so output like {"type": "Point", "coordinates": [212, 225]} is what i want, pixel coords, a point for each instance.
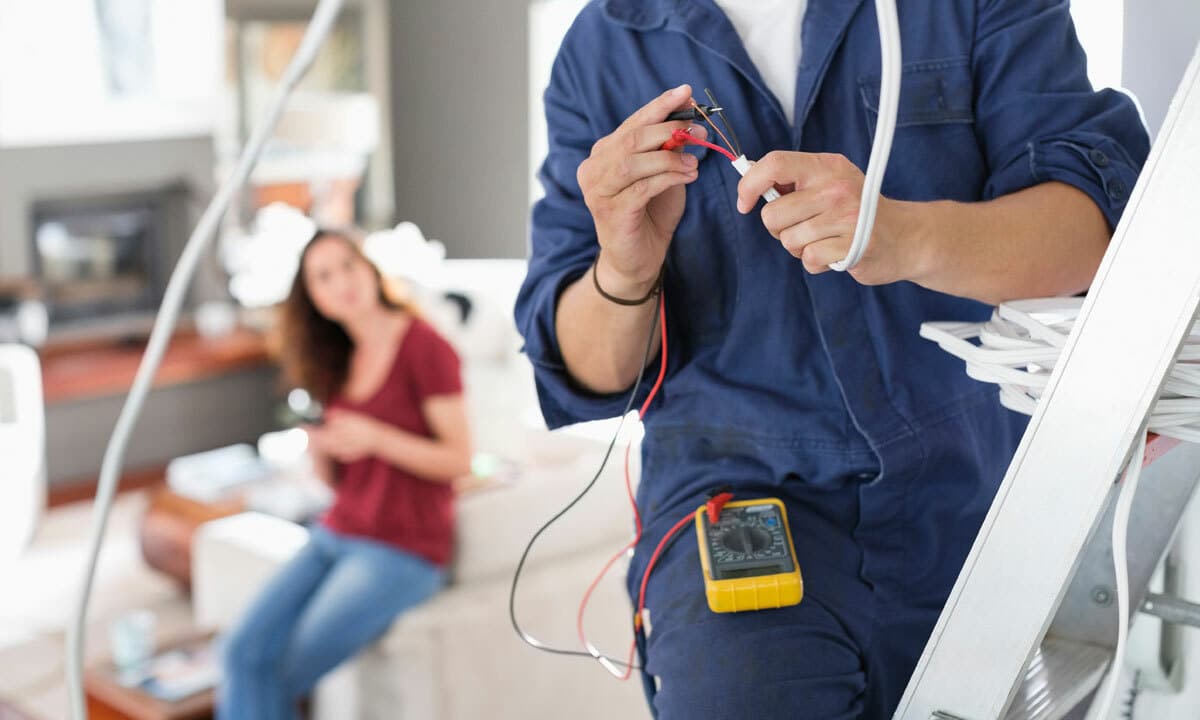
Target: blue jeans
{"type": "Point", "coordinates": [337, 595]}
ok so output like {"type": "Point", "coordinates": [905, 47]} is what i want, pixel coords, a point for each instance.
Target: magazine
{"type": "Point", "coordinates": [177, 674]}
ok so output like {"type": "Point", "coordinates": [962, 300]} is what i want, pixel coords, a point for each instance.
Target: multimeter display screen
{"type": "Point", "coordinates": [748, 541]}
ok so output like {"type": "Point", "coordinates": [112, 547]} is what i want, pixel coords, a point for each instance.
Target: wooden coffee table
{"type": "Point", "coordinates": [168, 526]}
{"type": "Point", "coordinates": [108, 699]}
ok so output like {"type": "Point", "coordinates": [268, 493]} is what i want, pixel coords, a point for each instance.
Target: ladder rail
{"type": "Point", "coordinates": [1053, 496]}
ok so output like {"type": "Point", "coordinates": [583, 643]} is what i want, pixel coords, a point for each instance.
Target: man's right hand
{"type": "Point", "coordinates": [635, 192]}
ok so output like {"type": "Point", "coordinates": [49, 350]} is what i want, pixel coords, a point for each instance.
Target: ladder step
{"type": "Point", "coordinates": [1172, 609]}
{"type": "Point", "coordinates": [1059, 677]}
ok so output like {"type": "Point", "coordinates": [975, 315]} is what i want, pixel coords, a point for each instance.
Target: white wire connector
{"type": "Point", "coordinates": [742, 165]}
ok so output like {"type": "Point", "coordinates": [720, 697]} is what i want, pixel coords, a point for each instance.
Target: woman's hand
{"type": "Point", "coordinates": [346, 436]}
{"type": "Point", "coordinates": [818, 212]}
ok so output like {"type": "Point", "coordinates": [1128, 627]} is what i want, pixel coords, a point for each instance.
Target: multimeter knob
{"type": "Point", "coordinates": [746, 539]}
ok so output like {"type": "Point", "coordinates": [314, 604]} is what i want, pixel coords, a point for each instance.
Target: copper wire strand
{"type": "Point", "coordinates": [708, 120]}
{"type": "Point", "coordinates": [737, 144]}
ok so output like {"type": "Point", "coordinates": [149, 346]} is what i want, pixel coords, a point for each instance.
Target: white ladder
{"type": "Point", "coordinates": [1029, 628]}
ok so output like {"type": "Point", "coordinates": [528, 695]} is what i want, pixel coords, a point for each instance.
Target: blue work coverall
{"type": "Point", "coordinates": [814, 388]}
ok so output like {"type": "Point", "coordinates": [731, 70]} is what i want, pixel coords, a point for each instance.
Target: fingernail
{"type": "Point", "coordinates": [679, 90]}
{"type": "Point", "coordinates": [690, 160]}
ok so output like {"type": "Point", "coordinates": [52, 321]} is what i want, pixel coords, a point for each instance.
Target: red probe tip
{"type": "Point", "coordinates": [679, 139]}
{"type": "Point", "coordinates": [715, 504]}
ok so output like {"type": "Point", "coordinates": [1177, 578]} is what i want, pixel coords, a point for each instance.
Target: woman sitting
{"type": "Point", "coordinates": [393, 438]}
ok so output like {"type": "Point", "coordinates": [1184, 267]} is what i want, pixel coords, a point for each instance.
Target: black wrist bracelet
{"type": "Point", "coordinates": [654, 290]}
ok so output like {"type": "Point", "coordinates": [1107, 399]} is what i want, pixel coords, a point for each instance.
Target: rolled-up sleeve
{"type": "Point", "coordinates": [1039, 119]}
{"type": "Point", "coordinates": [562, 248]}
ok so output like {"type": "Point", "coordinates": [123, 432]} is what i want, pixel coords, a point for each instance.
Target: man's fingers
{"type": "Point", "coordinates": [699, 132]}
{"type": "Point", "coordinates": [642, 191]}
{"type": "Point", "coordinates": [818, 256]}
{"type": "Point", "coordinates": [775, 168]}
{"type": "Point", "coordinates": [633, 168]}
{"type": "Point", "coordinates": [659, 108]}
{"type": "Point", "coordinates": [652, 137]}
{"type": "Point", "coordinates": [792, 209]}
{"type": "Point", "coordinates": [802, 241]}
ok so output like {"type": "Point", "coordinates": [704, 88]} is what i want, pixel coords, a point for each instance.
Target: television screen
{"type": "Point", "coordinates": [96, 257]}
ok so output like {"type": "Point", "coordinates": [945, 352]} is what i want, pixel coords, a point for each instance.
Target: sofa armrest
{"type": "Point", "coordinates": [232, 558]}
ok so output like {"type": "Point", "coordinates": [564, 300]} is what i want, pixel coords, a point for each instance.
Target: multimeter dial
{"type": "Point", "coordinates": [748, 541]}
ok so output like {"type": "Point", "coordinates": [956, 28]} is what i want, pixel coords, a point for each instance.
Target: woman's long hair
{"type": "Point", "coordinates": [314, 351]}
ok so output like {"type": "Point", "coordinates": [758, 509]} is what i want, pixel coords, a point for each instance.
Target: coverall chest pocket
{"type": "Point", "coordinates": [935, 130]}
{"type": "Point", "coordinates": [702, 264]}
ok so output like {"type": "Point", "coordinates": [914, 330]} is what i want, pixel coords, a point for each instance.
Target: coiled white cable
{"type": "Point", "coordinates": [885, 130]}
{"type": "Point", "coordinates": [1019, 346]}
{"type": "Point", "coordinates": [164, 324]}
{"type": "Point", "coordinates": [1017, 350]}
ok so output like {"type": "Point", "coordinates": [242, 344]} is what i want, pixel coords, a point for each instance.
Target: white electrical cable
{"type": "Point", "coordinates": [1018, 348]}
{"type": "Point", "coordinates": [110, 469]}
{"type": "Point", "coordinates": [885, 129]}
{"type": "Point", "coordinates": [1102, 705]}
{"type": "Point", "coordinates": [742, 165]}
{"type": "Point", "coordinates": [881, 146]}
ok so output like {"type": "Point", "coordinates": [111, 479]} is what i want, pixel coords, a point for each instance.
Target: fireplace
{"type": "Point", "coordinates": [102, 261]}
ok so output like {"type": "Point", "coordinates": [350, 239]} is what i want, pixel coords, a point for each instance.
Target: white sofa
{"type": "Point", "coordinates": [458, 657]}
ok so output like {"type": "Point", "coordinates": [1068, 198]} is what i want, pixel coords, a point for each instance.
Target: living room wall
{"type": "Point", "coordinates": [52, 171]}
{"type": "Point", "coordinates": [1160, 38]}
{"type": "Point", "coordinates": [460, 122]}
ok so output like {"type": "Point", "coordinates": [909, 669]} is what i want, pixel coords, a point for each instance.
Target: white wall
{"type": "Point", "coordinates": [1100, 25]}
{"type": "Point", "coordinates": [549, 21]}
{"type": "Point", "coordinates": [460, 123]}
{"type": "Point", "coordinates": [1160, 38]}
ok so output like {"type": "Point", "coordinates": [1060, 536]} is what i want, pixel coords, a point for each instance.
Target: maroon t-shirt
{"type": "Point", "coordinates": [379, 501]}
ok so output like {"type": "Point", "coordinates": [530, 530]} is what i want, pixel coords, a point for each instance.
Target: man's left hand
{"type": "Point", "coordinates": [818, 211]}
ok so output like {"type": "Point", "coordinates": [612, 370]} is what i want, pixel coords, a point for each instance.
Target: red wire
{"type": "Point", "coordinates": [683, 137]}
{"type": "Point", "coordinates": [662, 367]}
{"type": "Point", "coordinates": [683, 521]}
{"type": "Point", "coordinates": [662, 373]}
{"type": "Point", "coordinates": [679, 137]}
{"type": "Point", "coordinates": [710, 146]}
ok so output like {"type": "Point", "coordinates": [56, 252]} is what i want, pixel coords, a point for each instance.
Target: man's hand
{"type": "Point", "coordinates": [346, 436]}
{"type": "Point", "coordinates": [818, 212]}
{"type": "Point", "coordinates": [635, 192]}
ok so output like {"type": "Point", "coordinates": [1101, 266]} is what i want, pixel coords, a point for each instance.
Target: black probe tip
{"type": "Point", "coordinates": [693, 114]}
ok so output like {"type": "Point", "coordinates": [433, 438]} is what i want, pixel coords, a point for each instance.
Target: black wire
{"type": "Point", "coordinates": [512, 592]}
{"type": "Point", "coordinates": [737, 145]}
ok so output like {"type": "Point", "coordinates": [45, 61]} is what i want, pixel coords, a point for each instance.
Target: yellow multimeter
{"type": "Point", "coordinates": [747, 555]}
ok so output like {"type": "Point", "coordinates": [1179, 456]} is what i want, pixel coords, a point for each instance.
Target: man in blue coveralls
{"type": "Point", "coordinates": [1007, 176]}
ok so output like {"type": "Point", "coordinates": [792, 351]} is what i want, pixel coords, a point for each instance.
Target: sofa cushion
{"type": "Point", "coordinates": [494, 525]}
{"type": "Point", "coordinates": [483, 662]}
{"type": "Point", "coordinates": [232, 558]}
